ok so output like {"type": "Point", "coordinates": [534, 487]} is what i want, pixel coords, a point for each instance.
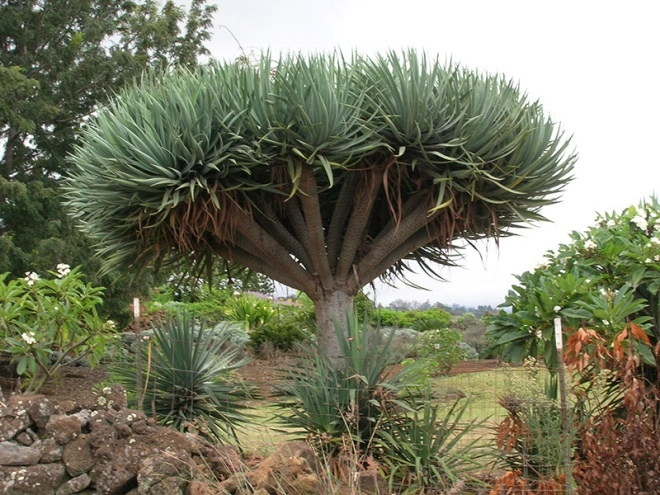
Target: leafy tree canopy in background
{"type": "Point", "coordinates": [322, 172]}
{"type": "Point", "coordinates": [60, 59]}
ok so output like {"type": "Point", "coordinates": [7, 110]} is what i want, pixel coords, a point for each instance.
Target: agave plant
{"type": "Point", "coordinates": [189, 380]}
{"type": "Point", "coordinates": [431, 446]}
{"type": "Point", "coordinates": [335, 401]}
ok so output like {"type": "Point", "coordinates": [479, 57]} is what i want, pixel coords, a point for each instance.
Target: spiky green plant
{"type": "Point", "coordinates": [322, 172]}
{"type": "Point", "coordinates": [431, 447]}
{"type": "Point", "coordinates": [189, 381]}
{"type": "Point", "coordinates": [345, 400]}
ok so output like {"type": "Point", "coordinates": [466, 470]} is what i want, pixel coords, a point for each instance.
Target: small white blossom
{"type": "Point", "coordinates": [557, 309]}
{"type": "Point", "coordinates": [606, 323]}
{"type": "Point", "coordinates": [436, 346]}
{"type": "Point", "coordinates": [63, 270]}
{"type": "Point", "coordinates": [110, 324]}
{"type": "Point", "coordinates": [29, 338]}
{"type": "Point", "coordinates": [641, 222]}
{"type": "Point", "coordinates": [648, 260]}
{"type": "Point", "coordinates": [589, 245]}
{"type": "Point", "coordinates": [539, 334]}
{"type": "Point", "coordinates": [611, 223]}
{"type": "Point", "coordinates": [31, 278]}
{"type": "Point", "coordinates": [654, 240]}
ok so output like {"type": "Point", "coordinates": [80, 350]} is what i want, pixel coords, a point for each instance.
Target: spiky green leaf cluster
{"type": "Point", "coordinates": [165, 167]}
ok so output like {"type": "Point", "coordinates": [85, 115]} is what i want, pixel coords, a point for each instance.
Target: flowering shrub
{"type": "Point", "coordinates": [47, 323]}
{"type": "Point", "coordinates": [440, 347]}
{"type": "Point", "coordinates": [605, 286]}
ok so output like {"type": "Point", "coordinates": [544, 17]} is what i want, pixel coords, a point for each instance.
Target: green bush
{"type": "Point", "coordinates": [283, 335]}
{"type": "Point", "coordinates": [355, 410]}
{"type": "Point", "coordinates": [46, 323]}
{"type": "Point", "coordinates": [441, 346]}
{"type": "Point", "coordinates": [188, 378]}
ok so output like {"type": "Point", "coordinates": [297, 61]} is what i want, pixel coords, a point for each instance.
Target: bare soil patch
{"type": "Point", "coordinates": [266, 374]}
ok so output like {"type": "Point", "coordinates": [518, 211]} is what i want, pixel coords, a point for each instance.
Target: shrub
{"type": "Point", "coordinates": [357, 411]}
{"type": "Point", "coordinates": [48, 323]}
{"type": "Point", "coordinates": [529, 439]}
{"type": "Point", "coordinates": [440, 346]}
{"type": "Point", "coordinates": [188, 378]}
{"type": "Point", "coordinates": [282, 335]}
{"type": "Point", "coordinates": [249, 310]}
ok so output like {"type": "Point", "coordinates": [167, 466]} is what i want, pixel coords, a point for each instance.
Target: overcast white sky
{"type": "Point", "coordinates": [593, 65]}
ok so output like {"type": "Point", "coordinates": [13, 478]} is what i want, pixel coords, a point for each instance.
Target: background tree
{"type": "Point", "coordinates": [322, 172]}
{"type": "Point", "coordinates": [59, 60]}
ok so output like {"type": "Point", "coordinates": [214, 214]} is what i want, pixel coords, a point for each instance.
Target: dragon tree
{"type": "Point", "coordinates": [322, 172]}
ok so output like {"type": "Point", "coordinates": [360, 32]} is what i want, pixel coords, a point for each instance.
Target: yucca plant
{"type": "Point", "coordinates": [189, 380]}
{"type": "Point", "coordinates": [343, 400]}
{"type": "Point", "coordinates": [432, 446]}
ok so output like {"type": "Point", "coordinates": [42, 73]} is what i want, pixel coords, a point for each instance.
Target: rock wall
{"type": "Point", "coordinates": [99, 446]}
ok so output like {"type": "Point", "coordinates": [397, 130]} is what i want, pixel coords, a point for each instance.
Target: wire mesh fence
{"type": "Point", "coordinates": [486, 427]}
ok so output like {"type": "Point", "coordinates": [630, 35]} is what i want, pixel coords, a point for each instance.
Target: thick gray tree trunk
{"type": "Point", "coordinates": [331, 309]}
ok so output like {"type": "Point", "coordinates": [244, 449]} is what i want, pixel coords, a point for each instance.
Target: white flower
{"type": "Point", "coordinates": [539, 334]}
{"type": "Point", "coordinates": [589, 245]}
{"type": "Point", "coordinates": [110, 324]}
{"type": "Point", "coordinates": [436, 346]}
{"type": "Point", "coordinates": [611, 223]}
{"type": "Point", "coordinates": [606, 323]}
{"type": "Point", "coordinates": [654, 240]}
{"type": "Point", "coordinates": [29, 338]}
{"type": "Point", "coordinates": [557, 309]}
{"type": "Point", "coordinates": [641, 222]}
{"type": "Point", "coordinates": [63, 270]}
{"type": "Point", "coordinates": [31, 278]}
{"type": "Point", "coordinates": [648, 260]}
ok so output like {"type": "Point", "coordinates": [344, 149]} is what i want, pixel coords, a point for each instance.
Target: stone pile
{"type": "Point", "coordinates": [102, 447]}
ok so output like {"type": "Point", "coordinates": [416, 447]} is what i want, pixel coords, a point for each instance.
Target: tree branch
{"type": "Point", "coordinates": [271, 251]}
{"type": "Point", "coordinates": [272, 224]}
{"type": "Point", "coordinates": [364, 202]}
{"type": "Point", "coordinates": [366, 272]}
{"type": "Point", "coordinates": [237, 255]}
{"type": "Point", "coordinates": [309, 201]}
{"type": "Point", "coordinates": [391, 240]}
{"type": "Point", "coordinates": [339, 215]}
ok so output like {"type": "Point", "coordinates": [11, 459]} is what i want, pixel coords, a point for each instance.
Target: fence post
{"type": "Point", "coordinates": [565, 425]}
{"type": "Point", "coordinates": [138, 351]}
